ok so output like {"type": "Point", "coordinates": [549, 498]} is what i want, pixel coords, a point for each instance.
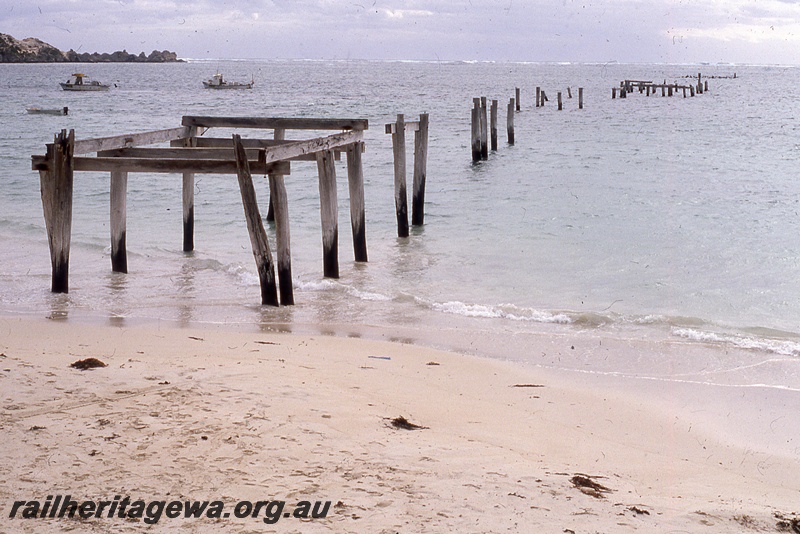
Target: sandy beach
{"type": "Point", "coordinates": [188, 414]}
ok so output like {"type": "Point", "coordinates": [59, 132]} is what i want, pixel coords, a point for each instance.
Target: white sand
{"type": "Point", "coordinates": [219, 415]}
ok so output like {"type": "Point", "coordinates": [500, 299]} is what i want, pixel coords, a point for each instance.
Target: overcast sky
{"type": "Point", "coordinates": [664, 31]}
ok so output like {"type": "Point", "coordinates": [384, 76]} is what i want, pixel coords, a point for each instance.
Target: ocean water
{"type": "Point", "coordinates": [665, 220]}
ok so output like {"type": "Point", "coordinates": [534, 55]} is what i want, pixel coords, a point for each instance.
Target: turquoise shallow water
{"type": "Point", "coordinates": [649, 218]}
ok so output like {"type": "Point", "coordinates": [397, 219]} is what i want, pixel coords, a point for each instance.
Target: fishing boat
{"type": "Point", "coordinates": [41, 111]}
{"type": "Point", "coordinates": [218, 82]}
{"type": "Point", "coordinates": [79, 82]}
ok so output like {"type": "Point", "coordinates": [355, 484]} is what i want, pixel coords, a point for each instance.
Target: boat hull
{"type": "Point", "coordinates": [83, 87]}
{"type": "Point", "coordinates": [228, 86]}
{"type": "Point", "coordinates": [40, 111]}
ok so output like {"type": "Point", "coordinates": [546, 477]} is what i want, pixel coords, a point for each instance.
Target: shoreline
{"type": "Point", "coordinates": [308, 416]}
{"type": "Point", "coordinates": [698, 381]}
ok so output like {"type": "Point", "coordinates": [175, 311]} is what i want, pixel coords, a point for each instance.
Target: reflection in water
{"type": "Point", "coordinates": [117, 284]}
{"type": "Point", "coordinates": [59, 306]}
{"type": "Point", "coordinates": [184, 282]}
{"type": "Point", "coordinates": [185, 286]}
{"type": "Point", "coordinates": [116, 281]}
{"type": "Point", "coordinates": [271, 319]}
{"type": "Point", "coordinates": [58, 315]}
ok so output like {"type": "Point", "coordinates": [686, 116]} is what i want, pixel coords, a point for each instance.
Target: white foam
{"type": "Point", "coordinates": [776, 346]}
{"type": "Point", "coordinates": [367, 295]}
{"type": "Point", "coordinates": [315, 285]}
{"type": "Point", "coordinates": [500, 312]}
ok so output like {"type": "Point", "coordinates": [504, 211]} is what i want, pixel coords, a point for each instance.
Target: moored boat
{"type": "Point", "coordinates": [79, 82]}
{"type": "Point", "coordinates": [41, 111]}
{"type": "Point", "coordinates": [218, 82]}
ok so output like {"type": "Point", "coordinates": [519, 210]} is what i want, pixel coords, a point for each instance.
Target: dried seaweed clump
{"type": "Point", "coordinates": [404, 424]}
{"type": "Point", "coordinates": [88, 363]}
{"type": "Point", "coordinates": [589, 486]}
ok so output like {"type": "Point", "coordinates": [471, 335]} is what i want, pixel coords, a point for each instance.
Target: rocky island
{"type": "Point", "coordinates": [33, 50]}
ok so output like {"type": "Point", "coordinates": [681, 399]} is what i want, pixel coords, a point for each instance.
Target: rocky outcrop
{"type": "Point", "coordinates": [28, 51]}
{"type": "Point", "coordinates": [32, 50]}
{"type": "Point", "coordinates": [123, 57]}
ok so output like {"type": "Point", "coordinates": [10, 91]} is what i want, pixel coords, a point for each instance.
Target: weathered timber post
{"type": "Point", "coordinates": [699, 83]}
{"type": "Point", "coordinates": [255, 227]}
{"type": "Point", "coordinates": [484, 130]}
{"type": "Point", "coordinates": [544, 98]}
{"type": "Point", "coordinates": [400, 195]}
{"type": "Point", "coordinates": [188, 197]}
{"type": "Point", "coordinates": [538, 96]}
{"type": "Point", "coordinates": [476, 134]}
{"type": "Point", "coordinates": [684, 91]}
{"type": "Point", "coordinates": [328, 211]}
{"type": "Point", "coordinates": [56, 186]}
{"type": "Point", "coordinates": [279, 204]}
{"type": "Point", "coordinates": [663, 90]}
{"type": "Point", "coordinates": [421, 166]}
{"type": "Point", "coordinates": [493, 128]}
{"type": "Point", "coordinates": [355, 181]}
{"type": "Point", "coordinates": [118, 215]}
{"type": "Point", "coordinates": [559, 100]}
{"type": "Point", "coordinates": [510, 121]}
{"type": "Point", "coordinates": [705, 86]}
{"type": "Point", "coordinates": [623, 93]}
{"type": "Point", "coordinates": [613, 92]}
{"type": "Point", "coordinates": [669, 91]}
{"type": "Point", "coordinates": [516, 94]}
{"type": "Point", "coordinates": [648, 91]}
{"type": "Point", "coordinates": [279, 134]}
{"type": "Point", "coordinates": [580, 97]}
{"type": "Point", "coordinates": [691, 90]}
{"type": "Point", "coordinates": [569, 92]}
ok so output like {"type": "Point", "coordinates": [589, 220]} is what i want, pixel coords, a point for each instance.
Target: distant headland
{"type": "Point", "coordinates": [32, 50]}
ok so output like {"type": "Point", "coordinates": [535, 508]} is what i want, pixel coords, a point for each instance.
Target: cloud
{"type": "Point", "coordinates": [531, 30]}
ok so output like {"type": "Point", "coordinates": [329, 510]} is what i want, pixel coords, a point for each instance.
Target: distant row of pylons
{"type": "Point", "coordinates": [485, 129]}
{"type": "Point", "coordinates": [650, 88]}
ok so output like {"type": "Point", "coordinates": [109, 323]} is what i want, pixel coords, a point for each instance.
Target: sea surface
{"type": "Point", "coordinates": [664, 220]}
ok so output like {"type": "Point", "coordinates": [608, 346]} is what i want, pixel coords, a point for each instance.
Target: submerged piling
{"type": "Point", "coordinates": [355, 181]}
{"type": "Point", "coordinates": [400, 195]}
{"type": "Point", "coordinates": [328, 210]}
{"type": "Point", "coordinates": [255, 227]}
{"type": "Point", "coordinates": [510, 121]}
{"type": "Point", "coordinates": [56, 181]}
{"type": "Point", "coordinates": [118, 216]}
{"type": "Point", "coordinates": [420, 170]}
{"type": "Point", "coordinates": [484, 130]}
{"type": "Point", "coordinates": [188, 197]}
{"type": "Point", "coordinates": [493, 129]}
{"type": "Point", "coordinates": [476, 134]}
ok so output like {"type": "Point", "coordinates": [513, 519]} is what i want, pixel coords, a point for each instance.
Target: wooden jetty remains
{"type": "Point", "coordinates": [482, 133]}
{"type": "Point", "coordinates": [480, 137]}
{"type": "Point", "coordinates": [649, 88]}
{"type": "Point", "coordinates": [191, 153]}
{"type": "Point", "coordinates": [398, 131]}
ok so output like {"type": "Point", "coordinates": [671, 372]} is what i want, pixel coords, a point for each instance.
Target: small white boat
{"type": "Point", "coordinates": [79, 82]}
{"type": "Point", "coordinates": [41, 111]}
{"type": "Point", "coordinates": [218, 82]}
